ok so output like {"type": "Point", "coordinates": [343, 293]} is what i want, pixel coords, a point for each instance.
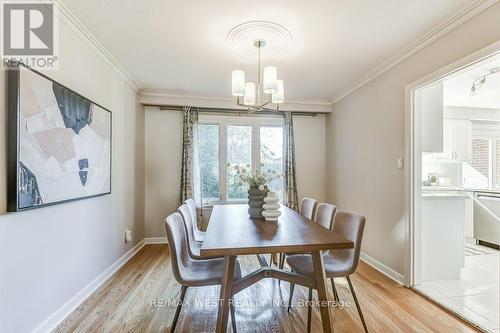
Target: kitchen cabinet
{"type": "Point", "coordinates": [457, 140]}
{"type": "Point", "coordinates": [440, 235]}
{"type": "Point", "coordinates": [429, 102]}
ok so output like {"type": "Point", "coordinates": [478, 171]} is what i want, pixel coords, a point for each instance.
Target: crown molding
{"type": "Point", "coordinates": [159, 97]}
{"type": "Point", "coordinates": [439, 31]}
{"type": "Point", "coordinates": [66, 17]}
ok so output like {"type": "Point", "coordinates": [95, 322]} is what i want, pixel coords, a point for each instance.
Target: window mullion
{"type": "Point", "coordinates": [223, 162]}
{"type": "Point", "coordinates": [493, 167]}
{"type": "Point", "coordinates": [255, 147]}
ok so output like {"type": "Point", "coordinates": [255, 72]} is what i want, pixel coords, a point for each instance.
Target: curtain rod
{"type": "Point", "coordinates": [234, 112]}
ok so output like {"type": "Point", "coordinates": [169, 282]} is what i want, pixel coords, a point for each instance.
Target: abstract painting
{"type": "Point", "coordinates": [59, 143]}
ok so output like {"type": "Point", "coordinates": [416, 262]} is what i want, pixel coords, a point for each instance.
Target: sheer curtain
{"type": "Point", "coordinates": [190, 175]}
{"type": "Point", "coordinates": [290, 198]}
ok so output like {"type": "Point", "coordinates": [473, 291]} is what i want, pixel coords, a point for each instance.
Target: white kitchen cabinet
{"type": "Point", "coordinates": [440, 236]}
{"type": "Point", "coordinates": [457, 140]}
{"type": "Point", "coordinates": [429, 102]}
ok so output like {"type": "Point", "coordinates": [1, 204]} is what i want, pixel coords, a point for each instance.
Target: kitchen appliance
{"type": "Point", "coordinates": [487, 218]}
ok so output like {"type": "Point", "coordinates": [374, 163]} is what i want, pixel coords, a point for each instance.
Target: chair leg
{"type": "Point", "coordinates": [282, 260]}
{"type": "Point", "coordinates": [281, 263]}
{"type": "Point", "coordinates": [335, 294]}
{"type": "Point", "coordinates": [233, 316]}
{"type": "Point", "coordinates": [178, 310]}
{"type": "Point", "coordinates": [357, 303]}
{"type": "Point", "coordinates": [309, 310]}
{"type": "Point", "coordinates": [292, 287]}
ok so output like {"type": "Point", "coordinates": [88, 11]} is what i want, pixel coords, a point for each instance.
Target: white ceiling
{"type": "Point", "coordinates": [180, 46]}
{"type": "Point", "coordinates": [458, 86]}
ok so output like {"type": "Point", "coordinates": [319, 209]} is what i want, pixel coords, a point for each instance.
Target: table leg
{"type": "Point", "coordinates": [324, 300]}
{"type": "Point", "coordinates": [226, 290]}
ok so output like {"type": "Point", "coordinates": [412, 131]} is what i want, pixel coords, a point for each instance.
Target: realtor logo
{"type": "Point", "coordinates": [29, 34]}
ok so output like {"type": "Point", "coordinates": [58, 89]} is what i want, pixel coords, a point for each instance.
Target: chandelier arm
{"type": "Point", "coordinates": [272, 109]}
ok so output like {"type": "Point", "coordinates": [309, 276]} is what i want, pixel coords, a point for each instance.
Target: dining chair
{"type": "Point", "coordinates": [324, 216]}
{"type": "Point", "coordinates": [308, 208]}
{"type": "Point", "coordinates": [189, 272]}
{"type": "Point", "coordinates": [193, 245]}
{"type": "Point", "coordinates": [337, 263]}
{"type": "Point", "coordinates": [198, 234]}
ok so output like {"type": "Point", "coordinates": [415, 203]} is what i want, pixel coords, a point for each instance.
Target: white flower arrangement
{"type": "Point", "coordinates": [257, 179]}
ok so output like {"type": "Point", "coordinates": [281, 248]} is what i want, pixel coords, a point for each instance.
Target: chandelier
{"type": "Point", "coordinates": [251, 95]}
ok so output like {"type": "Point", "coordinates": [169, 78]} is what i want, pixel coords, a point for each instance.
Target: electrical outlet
{"type": "Point", "coordinates": [128, 235]}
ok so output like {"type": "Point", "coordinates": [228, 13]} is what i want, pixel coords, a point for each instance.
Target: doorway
{"type": "Point", "coordinates": [454, 189]}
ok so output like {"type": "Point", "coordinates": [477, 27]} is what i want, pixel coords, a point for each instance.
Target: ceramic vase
{"type": "Point", "coordinates": [255, 202]}
{"type": "Point", "coordinates": [271, 207]}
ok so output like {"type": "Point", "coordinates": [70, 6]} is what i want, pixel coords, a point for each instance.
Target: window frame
{"type": "Point", "coordinates": [488, 130]}
{"type": "Point", "coordinates": [223, 122]}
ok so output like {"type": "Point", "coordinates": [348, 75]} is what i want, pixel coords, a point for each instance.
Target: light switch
{"type": "Point", "coordinates": [400, 163]}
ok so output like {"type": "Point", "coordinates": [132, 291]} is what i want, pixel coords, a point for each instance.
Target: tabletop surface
{"type": "Point", "coordinates": [232, 231]}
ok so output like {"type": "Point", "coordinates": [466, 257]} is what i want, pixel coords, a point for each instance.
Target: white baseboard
{"type": "Point", "coordinates": [57, 317]}
{"type": "Point", "coordinates": [389, 272]}
{"type": "Point", "coordinates": [156, 240]}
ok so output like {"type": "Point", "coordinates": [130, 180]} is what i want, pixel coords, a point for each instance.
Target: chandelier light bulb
{"type": "Point", "coordinates": [249, 98]}
{"type": "Point", "coordinates": [279, 96]}
{"type": "Point", "coordinates": [238, 83]}
{"type": "Point", "coordinates": [270, 79]}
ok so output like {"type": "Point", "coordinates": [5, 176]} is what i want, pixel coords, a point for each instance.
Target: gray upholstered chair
{"type": "Point", "coordinates": [191, 272]}
{"type": "Point", "coordinates": [308, 208]}
{"type": "Point", "coordinates": [324, 216]}
{"type": "Point", "coordinates": [198, 234]}
{"type": "Point", "coordinates": [338, 263]}
{"type": "Point", "coordinates": [193, 245]}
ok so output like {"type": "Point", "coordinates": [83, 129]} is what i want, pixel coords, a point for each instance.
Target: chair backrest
{"type": "Point", "coordinates": [351, 226]}
{"type": "Point", "coordinates": [324, 215]}
{"type": "Point", "coordinates": [177, 242]}
{"type": "Point", "coordinates": [308, 208]}
{"type": "Point", "coordinates": [188, 223]}
{"type": "Point", "coordinates": [192, 210]}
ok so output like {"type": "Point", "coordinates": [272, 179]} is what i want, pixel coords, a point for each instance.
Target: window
{"type": "Point", "coordinates": [224, 142]}
{"type": "Point", "coordinates": [239, 152]}
{"type": "Point", "coordinates": [477, 172]}
{"type": "Point", "coordinates": [483, 171]}
{"type": "Point", "coordinates": [209, 161]}
{"type": "Point", "coordinates": [271, 155]}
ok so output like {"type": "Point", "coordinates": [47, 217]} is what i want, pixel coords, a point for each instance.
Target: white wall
{"type": "Point", "coordinates": [48, 255]}
{"type": "Point", "coordinates": [365, 136]}
{"type": "Point", "coordinates": [164, 153]}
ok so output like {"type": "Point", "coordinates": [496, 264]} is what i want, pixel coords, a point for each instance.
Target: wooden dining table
{"type": "Point", "coordinates": [231, 232]}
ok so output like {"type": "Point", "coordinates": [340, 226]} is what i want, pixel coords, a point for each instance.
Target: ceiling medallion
{"type": "Point", "coordinates": [241, 37]}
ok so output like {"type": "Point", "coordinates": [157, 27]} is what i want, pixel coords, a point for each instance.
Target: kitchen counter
{"type": "Point", "coordinates": [457, 189]}
{"type": "Point", "coordinates": [455, 194]}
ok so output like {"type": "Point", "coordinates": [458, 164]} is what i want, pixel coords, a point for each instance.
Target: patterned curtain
{"type": "Point", "coordinates": [190, 123]}
{"type": "Point", "coordinates": [290, 194]}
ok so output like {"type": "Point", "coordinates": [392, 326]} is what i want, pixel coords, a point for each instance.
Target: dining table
{"type": "Point", "coordinates": [231, 233]}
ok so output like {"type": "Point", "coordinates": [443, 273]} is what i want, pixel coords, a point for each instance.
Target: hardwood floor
{"type": "Point", "coordinates": [136, 299]}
